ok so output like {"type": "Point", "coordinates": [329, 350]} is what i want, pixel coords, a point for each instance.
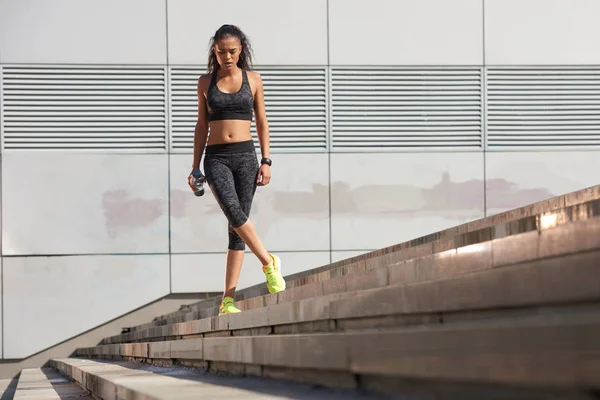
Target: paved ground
{"type": "Point", "coordinates": [47, 384]}
{"type": "Point", "coordinates": [180, 383]}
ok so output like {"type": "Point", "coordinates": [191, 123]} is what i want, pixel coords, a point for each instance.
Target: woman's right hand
{"type": "Point", "coordinates": [193, 177]}
{"type": "Point", "coordinates": [191, 181]}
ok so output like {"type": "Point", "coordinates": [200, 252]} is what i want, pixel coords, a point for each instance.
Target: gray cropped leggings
{"type": "Point", "coordinates": [231, 171]}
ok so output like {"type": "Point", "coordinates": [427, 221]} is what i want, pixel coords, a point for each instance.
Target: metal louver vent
{"type": "Point", "coordinates": [543, 107]}
{"type": "Point", "coordinates": [87, 108]}
{"type": "Point", "coordinates": [406, 108]}
{"type": "Point", "coordinates": [295, 100]}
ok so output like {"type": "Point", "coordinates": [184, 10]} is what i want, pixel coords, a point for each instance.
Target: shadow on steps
{"type": "Point", "coordinates": [8, 387]}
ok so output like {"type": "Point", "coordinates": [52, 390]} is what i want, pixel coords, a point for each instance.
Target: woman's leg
{"type": "Point", "coordinates": [245, 170]}
{"type": "Point", "coordinates": [220, 179]}
{"type": "Point", "coordinates": [232, 179]}
{"type": "Point", "coordinates": [248, 235]}
{"type": "Point", "coordinates": [234, 262]}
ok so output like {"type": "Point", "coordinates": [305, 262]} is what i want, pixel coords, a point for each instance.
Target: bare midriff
{"type": "Point", "coordinates": [229, 131]}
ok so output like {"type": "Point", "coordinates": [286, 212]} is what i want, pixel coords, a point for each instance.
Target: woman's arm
{"type": "Point", "coordinates": [201, 129]}
{"type": "Point", "coordinates": [262, 125]}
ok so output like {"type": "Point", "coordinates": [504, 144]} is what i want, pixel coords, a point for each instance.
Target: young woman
{"type": "Point", "coordinates": [228, 96]}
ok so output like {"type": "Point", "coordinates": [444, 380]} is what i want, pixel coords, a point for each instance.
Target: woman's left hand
{"type": "Point", "coordinates": [264, 175]}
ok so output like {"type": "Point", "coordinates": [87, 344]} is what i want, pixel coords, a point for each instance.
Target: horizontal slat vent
{"type": "Point", "coordinates": [543, 107]}
{"type": "Point", "coordinates": [295, 100]}
{"type": "Point", "coordinates": [406, 108]}
{"type": "Point", "coordinates": [88, 108]}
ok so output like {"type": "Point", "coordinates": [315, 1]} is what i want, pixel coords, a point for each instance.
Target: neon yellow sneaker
{"type": "Point", "coordinates": [227, 307]}
{"type": "Point", "coordinates": [275, 282]}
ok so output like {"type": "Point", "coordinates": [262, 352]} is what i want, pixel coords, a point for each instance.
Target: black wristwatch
{"type": "Point", "coordinates": [266, 160]}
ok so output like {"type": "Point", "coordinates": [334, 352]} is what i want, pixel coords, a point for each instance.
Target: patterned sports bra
{"type": "Point", "coordinates": [222, 106]}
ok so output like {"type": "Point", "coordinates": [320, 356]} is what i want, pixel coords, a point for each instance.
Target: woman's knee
{"type": "Point", "coordinates": [235, 241]}
{"type": "Point", "coordinates": [230, 205]}
{"type": "Point", "coordinates": [236, 216]}
{"type": "Point", "coordinates": [236, 244]}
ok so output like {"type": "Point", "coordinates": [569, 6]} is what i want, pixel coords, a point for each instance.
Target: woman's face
{"type": "Point", "coordinates": [228, 50]}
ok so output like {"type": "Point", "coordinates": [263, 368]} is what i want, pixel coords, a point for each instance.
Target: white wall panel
{"type": "Point", "coordinates": [542, 32]}
{"type": "Point", "coordinates": [1, 319]}
{"type": "Point", "coordinates": [281, 32]}
{"type": "Point", "coordinates": [291, 213]}
{"type": "Point", "coordinates": [68, 203]}
{"type": "Point", "coordinates": [108, 108]}
{"type": "Point", "coordinates": [51, 299]}
{"type": "Point", "coordinates": [206, 272]}
{"type": "Point", "coordinates": [1, 217]}
{"type": "Point", "coordinates": [515, 179]}
{"type": "Point", "coordinates": [72, 31]}
{"type": "Point", "coordinates": [543, 107]}
{"type": "Point", "coordinates": [393, 108]}
{"type": "Point", "coordinates": [383, 199]}
{"type": "Point", "coordinates": [391, 32]}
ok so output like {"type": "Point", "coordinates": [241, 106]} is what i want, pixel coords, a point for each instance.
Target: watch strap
{"type": "Point", "coordinates": [266, 160]}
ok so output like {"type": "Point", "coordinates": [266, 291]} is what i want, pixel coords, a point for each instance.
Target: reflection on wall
{"type": "Point", "coordinates": [447, 202]}
{"type": "Point", "coordinates": [503, 194]}
{"type": "Point", "coordinates": [123, 212]}
{"type": "Point", "coordinates": [402, 200]}
{"type": "Point", "coordinates": [445, 197]}
{"type": "Point", "coordinates": [280, 217]}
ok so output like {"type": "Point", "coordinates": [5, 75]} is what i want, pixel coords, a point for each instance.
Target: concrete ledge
{"type": "Point", "coordinates": [47, 384]}
{"type": "Point", "coordinates": [582, 205]}
{"type": "Point", "coordinates": [559, 355]}
{"type": "Point", "coordinates": [384, 285]}
{"type": "Point", "coordinates": [569, 279]}
{"type": "Point", "coordinates": [572, 279]}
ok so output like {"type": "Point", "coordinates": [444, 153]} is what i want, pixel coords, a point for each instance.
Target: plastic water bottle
{"type": "Point", "coordinates": [198, 181]}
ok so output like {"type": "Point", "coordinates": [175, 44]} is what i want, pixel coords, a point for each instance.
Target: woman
{"type": "Point", "coordinates": [227, 98]}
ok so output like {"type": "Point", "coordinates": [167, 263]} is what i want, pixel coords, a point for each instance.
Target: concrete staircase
{"type": "Point", "coordinates": [506, 307]}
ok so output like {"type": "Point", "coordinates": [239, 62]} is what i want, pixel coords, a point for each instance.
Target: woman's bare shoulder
{"type": "Point", "coordinates": [255, 79]}
{"type": "Point", "coordinates": [203, 81]}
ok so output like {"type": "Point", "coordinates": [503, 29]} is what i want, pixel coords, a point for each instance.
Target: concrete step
{"type": "Point", "coordinates": [552, 266]}
{"type": "Point", "coordinates": [508, 311]}
{"type": "Point", "coordinates": [567, 281]}
{"type": "Point", "coordinates": [532, 325]}
{"type": "Point", "coordinates": [47, 384]}
{"type": "Point", "coordinates": [581, 205]}
{"type": "Point", "coordinates": [558, 357]}
{"type": "Point", "coordinates": [111, 380]}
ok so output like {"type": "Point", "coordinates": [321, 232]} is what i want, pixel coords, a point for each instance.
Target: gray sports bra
{"type": "Point", "coordinates": [238, 105]}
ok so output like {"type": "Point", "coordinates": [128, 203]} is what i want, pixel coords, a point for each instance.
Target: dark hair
{"type": "Point", "coordinates": [245, 60]}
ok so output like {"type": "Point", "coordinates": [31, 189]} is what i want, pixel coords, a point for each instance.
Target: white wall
{"type": "Point", "coordinates": [76, 32]}
{"type": "Point", "coordinates": [50, 299]}
{"type": "Point", "coordinates": [413, 32]}
{"type": "Point", "coordinates": [540, 34]}
{"type": "Point", "coordinates": [520, 178]}
{"type": "Point", "coordinates": [526, 32]}
{"type": "Point", "coordinates": [98, 232]}
{"type": "Point", "coordinates": [73, 203]}
{"type": "Point", "coordinates": [281, 32]}
{"type": "Point", "coordinates": [383, 199]}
